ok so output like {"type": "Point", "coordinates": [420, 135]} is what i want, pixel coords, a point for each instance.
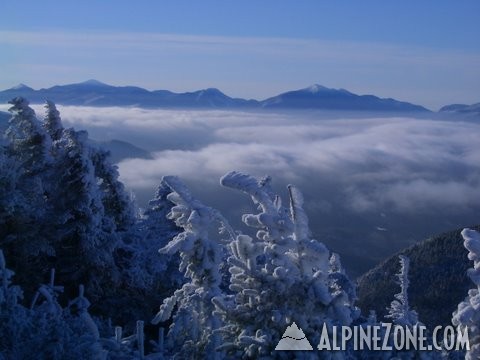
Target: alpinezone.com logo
{"type": "Point", "coordinates": [384, 337]}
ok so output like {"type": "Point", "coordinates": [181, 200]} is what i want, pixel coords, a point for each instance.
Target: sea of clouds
{"type": "Point", "coordinates": [373, 185]}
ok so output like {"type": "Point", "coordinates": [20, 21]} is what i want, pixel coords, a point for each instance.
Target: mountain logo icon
{"type": "Point", "coordinates": [294, 339]}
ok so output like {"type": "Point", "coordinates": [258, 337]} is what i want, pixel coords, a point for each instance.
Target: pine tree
{"type": "Point", "coordinates": [52, 121]}
{"type": "Point", "coordinates": [14, 317]}
{"type": "Point", "coordinates": [85, 237]}
{"type": "Point", "coordinates": [278, 278]}
{"type": "Point", "coordinates": [25, 236]}
{"type": "Point", "coordinates": [116, 201]}
{"type": "Point", "coordinates": [12, 201]}
{"type": "Point", "coordinates": [147, 277]}
{"type": "Point", "coordinates": [399, 310]}
{"type": "Point", "coordinates": [28, 140]}
{"type": "Point", "coordinates": [138, 254]}
{"type": "Point", "coordinates": [192, 333]}
{"type": "Point", "coordinates": [467, 314]}
{"type": "Point", "coordinates": [45, 331]}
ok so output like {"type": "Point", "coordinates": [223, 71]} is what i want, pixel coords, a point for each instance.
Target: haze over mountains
{"type": "Point", "coordinates": [96, 93]}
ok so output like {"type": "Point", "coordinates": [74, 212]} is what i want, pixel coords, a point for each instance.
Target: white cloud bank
{"type": "Point", "coordinates": [401, 164]}
{"type": "Point", "coordinates": [409, 177]}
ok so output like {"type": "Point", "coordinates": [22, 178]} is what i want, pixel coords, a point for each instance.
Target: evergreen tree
{"type": "Point", "coordinates": [14, 317]}
{"type": "Point", "coordinates": [25, 236]}
{"type": "Point", "coordinates": [147, 277]}
{"type": "Point", "coordinates": [28, 140]}
{"type": "Point", "coordinates": [279, 278]}
{"type": "Point", "coordinates": [138, 254]}
{"type": "Point", "coordinates": [192, 333]}
{"type": "Point", "coordinates": [52, 121]}
{"type": "Point", "coordinates": [468, 313]}
{"type": "Point", "coordinates": [116, 202]}
{"type": "Point", "coordinates": [399, 310]}
{"type": "Point", "coordinates": [86, 238]}
{"type": "Point", "coordinates": [12, 201]}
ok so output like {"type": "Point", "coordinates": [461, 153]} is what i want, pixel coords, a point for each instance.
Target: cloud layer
{"type": "Point", "coordinates": [405, 164]}
{"type": "Point", "coordinates": [372, 185]}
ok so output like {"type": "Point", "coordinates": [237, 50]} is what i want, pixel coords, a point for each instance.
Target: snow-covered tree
{"type": "Point", "coordinates": [85, 240]}
{"type": "Point", "coordinates": [12, 201]}
{"type": "Point", "coordinates": [116, 201]}
{"type": "Point", "coordinates": [46, 331]}
{"type": "Point", "coordinates": [340, 284]}
{"type": "Point", "coordinates": [403, 316]}
{"type": "Point", "coordinates": [27, 138]}
{"type": "Point", "coordinates": [14, 317]}
{"type": "Point", "coordinates": [399, 310]}
{"type": "Point", "coordinates": [278, 278]}
{"type": "Point", "coordinates": [468, 312]}
{"type": "Point", "coordinates": [25, 161]}
{"type": "Point", "coordinates": [52, 121]}
{"type": "Point", "coordinates": [147, 277]}
{"type": "Point", "coordinates": [192, 333]}
{"type": "Point", "coordinates": [138, 254]}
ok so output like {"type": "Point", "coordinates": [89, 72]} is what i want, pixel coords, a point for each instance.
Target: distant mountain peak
{"type": "Point", "coordinates": [21, 86]}
{"type": "Point", "coordinates": [212, 91]}
{"type": "Point", "coordinates": [93, 82]}
{"type": "Point", "coordinates": [315, 88]}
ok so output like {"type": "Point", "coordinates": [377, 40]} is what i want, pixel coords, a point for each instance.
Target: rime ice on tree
{"type": "Point", "coordinates": [468, 312]}
{"type": "Point", "coordinates": [192, 333]}
{"type": "Point", "coordinates": [147, 268]}
{"type": "Point", "coordinates": [115, 200]}
{"type": "Point", "coordinates": [277, 278]}
{"type": "Point", "coordinates": [27, 137]}
{"type": "Point", "coordinates": [86, 232]}
{"type": "Point", "coordinates": [399, 310]}
{"type": "Point", "coordinates": [53, 122]}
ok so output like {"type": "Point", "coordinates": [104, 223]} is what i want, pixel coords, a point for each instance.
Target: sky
{"type": "Point", "coordinates": [425, 52]}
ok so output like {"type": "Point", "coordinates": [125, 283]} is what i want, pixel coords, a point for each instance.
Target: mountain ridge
{"type": "Point", "coordinates": [438, 279]}
{"type": "Point", "coordinates": [465, 109]}
{"type": "Point", "coordinates": [96, 93]}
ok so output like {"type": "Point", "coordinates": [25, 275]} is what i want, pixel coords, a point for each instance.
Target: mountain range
{"type": "Point", "coordinates": [96, 93]}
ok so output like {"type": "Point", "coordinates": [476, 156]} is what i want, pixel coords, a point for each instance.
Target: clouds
{"type": "Point", "coordinates": [404, 164]}
{"type": "Point", "coordinates": [361, 164]}
{"type": "Point", "coordinates": [399, 163]}
{"type": "Point", "coordinates": [411, 178]}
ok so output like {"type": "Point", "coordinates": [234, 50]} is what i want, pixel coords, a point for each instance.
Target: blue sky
{"type": "Point", "coordinates": [425, 52]}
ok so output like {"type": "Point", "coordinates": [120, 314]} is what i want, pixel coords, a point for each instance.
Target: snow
{"type": "Point", "coordinates": [93, 82]}
{"type": "Point", "coordinates": [316, 88]}
{"type": "Point", "coordinates": [21, 87]}
{"type": "Point", "coordinates": [399, 310]}
{"type": "Point", "coordinates": [468, 311]}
